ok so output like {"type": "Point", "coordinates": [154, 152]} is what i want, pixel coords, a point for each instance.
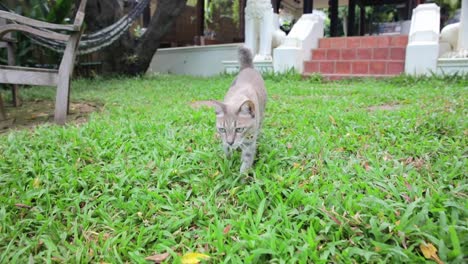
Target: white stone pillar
{"type": "Point", "coordinates": [422, 51]}
{"type": "Point", "coordinates": [463, 30]}
{"type": "Point", "coordinates": [266, 37]}
{"type": "Point", "coordinates": [251, 34]}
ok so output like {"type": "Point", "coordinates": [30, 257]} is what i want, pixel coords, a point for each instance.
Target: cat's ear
{"type": "Point", "coordinates": [247, 108]}
{"type": "Point", "coordinates": [219, 107]}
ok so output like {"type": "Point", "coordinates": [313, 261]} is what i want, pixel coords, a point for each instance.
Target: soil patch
{"type": "Point", "coordinates": [385, 107]}
{"type": "Point", "coordinates": [33, 113]}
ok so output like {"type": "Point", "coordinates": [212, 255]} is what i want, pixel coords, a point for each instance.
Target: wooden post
{"type": "Point", "coordinates": [146, 16]}
{"type": "Point", "coordinates": [276, 5]}
{"type": "Point", "coordinates": [308, 6]}
{"type": "Point", "coordinates": [362, 23]}
{"type": "Point", "coordinates": [201, 17]}
{"type": "Point", "coordinates": [333, 11]}
{"type": "Point", "coordinates": [351, 17]}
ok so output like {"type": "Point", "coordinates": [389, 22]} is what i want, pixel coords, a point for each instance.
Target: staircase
{"type": "Point", "coordinates": [370, 56]}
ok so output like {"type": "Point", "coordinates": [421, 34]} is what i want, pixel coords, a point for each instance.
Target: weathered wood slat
{"type": "Point", "coordinates": [39, 76]}
{"type": "Point", "coordinates": [80, 14]}
{"type": "Point", "coordinates": [42, 33]}
{"type": "Point", "coordinates": [28, 76]}
{"type": "Point", "coordinates": [36, 23]}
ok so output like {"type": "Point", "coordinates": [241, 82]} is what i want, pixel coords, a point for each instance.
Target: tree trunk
{"type": "Point", "coordinates": [100, 14]}
{"type": "Point", "coordinates": [166, 14]}
{"type": "Point", "coordinates": [127, 55]}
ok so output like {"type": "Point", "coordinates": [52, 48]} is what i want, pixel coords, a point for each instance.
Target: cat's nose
{"type": "Point", "coordinates": [230, 143]}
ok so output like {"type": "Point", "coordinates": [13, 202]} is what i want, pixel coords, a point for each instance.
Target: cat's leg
{"type": "Point", "coordinates": [248, 155]}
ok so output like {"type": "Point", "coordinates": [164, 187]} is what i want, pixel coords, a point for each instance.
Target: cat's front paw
{"type": "Point", "coordinates": [245, 167]}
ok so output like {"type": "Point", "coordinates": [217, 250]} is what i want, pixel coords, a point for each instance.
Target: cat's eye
{"type": "Point", "coordinates": [221, 130]}
{"type": "Point", "coordinates": [240, 129]}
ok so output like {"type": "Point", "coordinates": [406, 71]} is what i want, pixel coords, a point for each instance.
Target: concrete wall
{"type": "Point", "coordinates": [193, 60]}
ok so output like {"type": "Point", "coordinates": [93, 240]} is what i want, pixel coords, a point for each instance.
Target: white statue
{"type": "Point", "coordinates": [454, 37]}
{"type": "Point", "coordinates": [259, 28]}
{"type": "Point", "coordinates": [449, 39]}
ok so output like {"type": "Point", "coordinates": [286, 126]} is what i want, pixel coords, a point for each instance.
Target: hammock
{"type": "Point", "coordinates": [95, 41]}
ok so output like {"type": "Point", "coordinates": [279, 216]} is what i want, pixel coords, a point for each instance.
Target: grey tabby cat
{"type": "Point", "coordinates": [240, 116]}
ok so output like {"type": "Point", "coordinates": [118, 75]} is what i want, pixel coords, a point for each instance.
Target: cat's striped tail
{"type": "Point", "coordinates": [245, 58]}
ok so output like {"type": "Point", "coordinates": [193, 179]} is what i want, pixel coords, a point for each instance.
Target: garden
{"type": "Point", "coordinates": [354, 171]}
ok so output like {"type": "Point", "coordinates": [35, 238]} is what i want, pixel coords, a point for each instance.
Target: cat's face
{"type": "Point", "coordinates": [235, 124]}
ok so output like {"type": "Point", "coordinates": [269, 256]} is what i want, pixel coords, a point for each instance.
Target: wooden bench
{"type": "Point", "coordinates": [12, 74]}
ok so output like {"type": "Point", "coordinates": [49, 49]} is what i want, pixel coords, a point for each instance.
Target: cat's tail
{"type": "Point", "coordinates": [245, 58]}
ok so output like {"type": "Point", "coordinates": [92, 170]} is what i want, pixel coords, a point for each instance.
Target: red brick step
{"type": "Point", "coordinates": [346, 57]}
{"type": "Point", "coordinates": [364, 42]}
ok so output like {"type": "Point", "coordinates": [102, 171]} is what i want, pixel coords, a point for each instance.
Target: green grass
{"type": "Point", "coordinates": [334, 180]}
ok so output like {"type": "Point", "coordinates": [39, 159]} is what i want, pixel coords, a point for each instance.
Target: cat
{"type": "Point", "coordinates": [240, 117]}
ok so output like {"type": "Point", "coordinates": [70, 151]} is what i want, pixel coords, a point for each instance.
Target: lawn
{"type": "Point", "coordinates": [347, 172]}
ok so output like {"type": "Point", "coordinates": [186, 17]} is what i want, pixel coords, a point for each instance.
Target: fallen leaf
{"type": "Point", "coordinates": [332, 120]}
{"type": "Point", "coordinates": [338, 222]}
{"type": "Point", "coordinates": [158, 258]}
{"type": "Point", "coordinates": [289, 145]}
{"type": "Point", "coordinates": [36, 183]}
{"type": "Point", "coordinates": [366, 165]}
{"type": "Point", "coordinates": [227, 229]}
{"type": "Point", "coordinates": [406, 197]}
{"type": "Point", "coordinates": [20, 205]}
{"type": "Point", "coordinates": [430, 252]}
{"type": "Point", "coordinates": [193, 258]}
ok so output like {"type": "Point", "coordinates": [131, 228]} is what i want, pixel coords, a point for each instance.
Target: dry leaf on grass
{"type": "Point", "coordinates": [194, 258]}
{"type": "Point", "coordinates": [332, 120]}
{"type": "Point", "coordinates": [158, 258]}
{"type": "Point", "coordinates": [227, 229]}
{"type": "Point", "coordinates": [430, 252]}
{"type": "Point", "coordinates": [36, 183]}
{"type": "Point", "coordinates": [20, 205]}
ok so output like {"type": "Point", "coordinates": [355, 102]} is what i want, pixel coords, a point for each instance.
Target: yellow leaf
{"type": "Point", "coordinates": [430, 252]}
{"type": "Point", "coordinates": [36, 183]}
{"type": "Point", "coordinates": [332, 120]}
{"type": "Point", "coordinates": [193, 258]}
{"type": "Point", "coordinates": [397, 223]}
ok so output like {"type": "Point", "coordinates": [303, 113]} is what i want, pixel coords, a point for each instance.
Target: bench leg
{"type": "Point", "coordinates": [15, 100]}
{"type": "Point", "coordinates": [2, 109]}
{"type": "Point", "coordinates": [65, 74]}
{"type": "Point", "coordinates": [61, 101]}
{"type": "Point", "coordinates": [12, 62]}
